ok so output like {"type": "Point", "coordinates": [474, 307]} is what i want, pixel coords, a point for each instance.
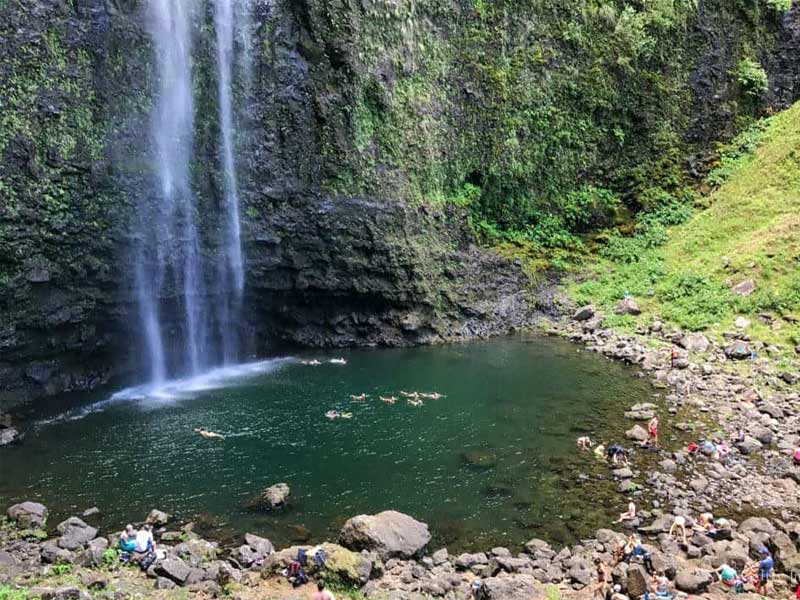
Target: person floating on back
{"type": "Point", "coordinates": [209, 435]}
{"type": "Point", "coordinates": [584, 442]}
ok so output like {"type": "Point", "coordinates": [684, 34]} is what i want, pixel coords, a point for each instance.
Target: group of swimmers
{"type": "Point", "coordinates": [412, 399]}
{"type": "Point", "coordinates": [616, 453]}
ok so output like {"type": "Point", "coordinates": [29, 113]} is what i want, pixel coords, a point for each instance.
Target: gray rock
{"type": "Point", "coordinates": [668, 466]}
{"type": "Point", "coordinates": [259, 544]}
{"type": "Point", "coordinates": [638, 581]}
{"type": "Point", "coordinates": [637, 433]}
{"type": "Point", "coordinates": [758, 525]}
{"type": "Point", "coordinates": [390, 534]}
{"type": "Point", "coordinates": [157, 517]}
{"type": "Point", "coordinates": [695, 342]}
{"type": "Point", "coordinates": [744, 288]}
{"type": "Point", "coordinates": [772, 409]}
{"type": "Point", "coordinates": [90, 512]}
{"type": "Point", "coordinates": [581, 573]}
{"type": "Point", "coordinates": [748, 446]}
{"type": "Point", "coordinates": [163, 583]}
{"type": "Point", "coordinates": [622, 473]}
{"type": "Point", "coordinates": [693, 580]}
{"type": "Point", "coordinates": [173, 568]}
{"type": "Point", "coordinates": [52, 554]}
{"type": "Point", "coordinates": [64, 592]}
{"type": "Point", "coordinates": [28, 514]}
{"type": "Point", "coordinates": [75, 533]}
{"type": "Point", "coordinates": [628, 306]}
{"type": "Point", "coordinates": [467, 561]}
{"type": "Point", "coordinates": [518, 587]}
{"type": "Point", "coordinates": [440, 557]}
{"type": "Point", "coordinates": [738, 350]}
{"type": "Point", "coordinates": [584, 313]}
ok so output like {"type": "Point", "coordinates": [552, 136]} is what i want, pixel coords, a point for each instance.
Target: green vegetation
{"type": "Point", "coordinates": [8, 592]}
{"type": "Point", "coordinates": [748, 231]}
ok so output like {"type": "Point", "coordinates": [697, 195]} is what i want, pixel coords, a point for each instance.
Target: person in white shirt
{"type": "Point", "coordinates": [144, 539]}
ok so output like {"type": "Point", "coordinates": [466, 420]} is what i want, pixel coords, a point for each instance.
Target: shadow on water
{"type": "Point", "coordinates": [493, 462]}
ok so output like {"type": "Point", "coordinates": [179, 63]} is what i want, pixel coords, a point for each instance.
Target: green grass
{"type": "Point", "coordinates": [750, 229]}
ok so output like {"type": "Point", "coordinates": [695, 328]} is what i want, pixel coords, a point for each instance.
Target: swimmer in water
{"type": "Point", "coordinates": [584, 442]}
{"type": "Point", "coordinates": [433, 396]}
{"type": "Point", "coordinates": [415, 402]}
{"type": "Point", "coordinates": [413, 395]}
{"type": "Point", "coordinates": [358, 398]}
{"type": "Point", "coordinates": [209, 435]}
{"type": "Point", "coordinates": [346, 415]}
{"type": "Point", "coordinates": [332, 414]}
{"type": "Point", "coordinates": [389, 400]}
{"type": "Point", "coordinates": [312, 363]}
{"type": "Point", "coordinates": [338, 361]}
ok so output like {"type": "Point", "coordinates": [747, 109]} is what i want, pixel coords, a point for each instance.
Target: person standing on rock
{"type": "Point", "coordinates": [765, 566]}
{"type": "Point", "coordinates": [652, 432]}
{"type": "Point", "coordinates": [322, 593]}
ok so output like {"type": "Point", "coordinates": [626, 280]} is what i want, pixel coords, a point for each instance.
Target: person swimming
{"type": "Point", "coordinates": [209, 435]}
{"type": "Point", "coordinates": [431, 396]}
{"type": "Point", "coordinates": [415, 402]}
{"type": "Point", "coordinates": [337, 361]}
{"type": "Point", "coordinates": [313, 363]}
{"type": "Point", "coordinates": [332, 414]}
{"type": "Point", "coordinates": [347, 415]}
{"type": "Point", "coordinates": [389, 400]}
{"type": "Point", "coordinates": [584, 442]}
{"type": "Point", "coordinates": [414, 395]}
{"type": "Point", "coordinates": [358, 398]}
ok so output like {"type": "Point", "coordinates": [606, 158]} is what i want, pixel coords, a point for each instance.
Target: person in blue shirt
{"type": "Point", "coordinates": [765, 566]}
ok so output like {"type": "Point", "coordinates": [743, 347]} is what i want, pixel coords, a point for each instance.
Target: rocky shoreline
{"type": "Point", "coordinates": [738, 389]}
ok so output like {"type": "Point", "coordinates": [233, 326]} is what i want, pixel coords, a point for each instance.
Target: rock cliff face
{"type": "Point", "coordinates": [363, 124]}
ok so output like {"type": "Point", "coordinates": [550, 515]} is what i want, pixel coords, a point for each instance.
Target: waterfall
{"type": "Point", "coordinates": [231, 276]}
{"type": "Point", "coordinates": [187, 328]}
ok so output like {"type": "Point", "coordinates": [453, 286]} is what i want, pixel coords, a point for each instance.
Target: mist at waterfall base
{"type": "Point", "coordinates": [494, 462]}
{"type": "Point", "coordinates": [189, 274]}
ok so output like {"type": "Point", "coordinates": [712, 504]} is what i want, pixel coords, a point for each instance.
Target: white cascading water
{"type": "Point", "coordinates": [231, 276]}
{"type": "Point", "coordinates": [170, 269]}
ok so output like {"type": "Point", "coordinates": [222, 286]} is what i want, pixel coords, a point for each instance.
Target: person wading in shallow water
{"type": "Point", "coordinates": [322, 593]}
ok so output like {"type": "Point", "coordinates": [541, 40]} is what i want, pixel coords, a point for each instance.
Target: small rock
{"type": "Point", "coordinates": [742, 323]}
{"type": "Point", "coordinates": [584, 313]}
{"type": "Point", "coordinates": [628, 306]}
{"type": "Point", "coordinates": [744, 288]}
{"type": "Point", "coordinates": [8, 436]}
{"type": "Point", "coordinates": [738, 350]}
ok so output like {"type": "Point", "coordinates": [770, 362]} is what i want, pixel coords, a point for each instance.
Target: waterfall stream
{"type": "Point", "coordinates": [187, 324]}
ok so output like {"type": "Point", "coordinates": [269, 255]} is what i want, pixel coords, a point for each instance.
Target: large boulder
{"type": "Point", "coordinates": [276, 496]}
{"type": "Point", "coordinates": [758, 525]}
{"type": "Point", "coordinates": [259, 545]}
{"type": "Point", "coordinates": [637, 433]}
{"type": "Point", "coordinates": [28, 514]}
{"type": "Point", "coordinates": [693, 580]}
{"type": "Point", "coordinates": [349, 567]}
{"type": "Point", "coordinates": [391, 534]}
{"type": "Point", "coordinates": [628, 306]}
{"type": "Point", "coordinates": [75, 533]}
{"type": "Point", "coordinates": [638, 581]}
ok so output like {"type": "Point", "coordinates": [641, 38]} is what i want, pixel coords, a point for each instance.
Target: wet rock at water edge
{"type": "Point", "coordinates": [390, 534]}
{"type": "Point", "coordinates": [9, 436]}
{"type": "Point", "coordinates": [75, 533]}
{"type": "Point", "coordinates": [157, 517]}
{"type": "Point", "coordinates": [274, 497]}
{"type": "Point", "coordinates": [28, 514]}
{"type": "Point", "coordinates": [479, 459]}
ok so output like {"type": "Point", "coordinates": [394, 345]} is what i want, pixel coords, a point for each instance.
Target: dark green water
{"type": "Point", "coordinates": [515, 404]}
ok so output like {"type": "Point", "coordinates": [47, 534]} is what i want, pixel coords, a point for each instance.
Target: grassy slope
{"type": "Point", "coordinates": [754, 220]}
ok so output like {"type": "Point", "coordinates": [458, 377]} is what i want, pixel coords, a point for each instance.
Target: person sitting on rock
{"type": "Point", "coordinates": [600, 450]}
{"type": "Point", "coordinates": [618, 595]}
{"type": "Point", "coordinates": [727, 575]}
{"type": "Point", "coordinates": [628, 515]}
{"type": "Point", "coordinates": [679, 523]}
{"type": "Point", "coordinates": [144, 539]}
{"type": "Point", "coordinates": [705, 524]}
{"type": "Point", "coordinates": [661, 586]}
{"type": "Point", "coordinates": [322, 593]}
{"type": "Point", "coordinates": [584, 442]}
{"type": "Point", "coordinates": [617, 453]}
{"type": "Point", "coordinates": [127, 542]}
{"type": "Point", "coordinates": [634, 549]}
{"type": "Point", "coordinates": [209, 435]}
